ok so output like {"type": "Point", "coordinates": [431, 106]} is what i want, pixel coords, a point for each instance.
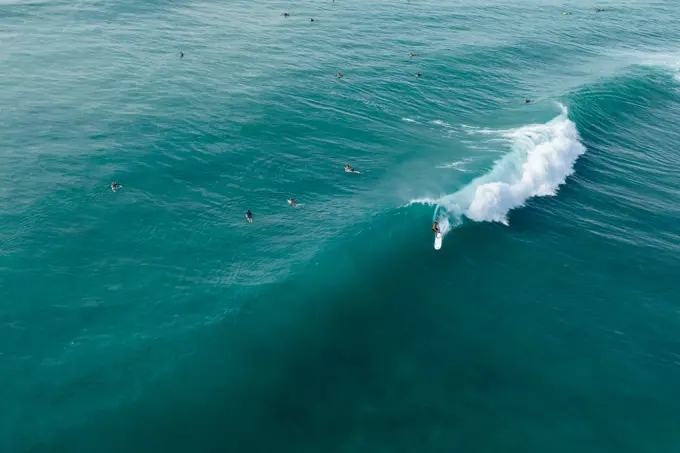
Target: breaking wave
{"type": "Point", "coordinates": [542, 157]}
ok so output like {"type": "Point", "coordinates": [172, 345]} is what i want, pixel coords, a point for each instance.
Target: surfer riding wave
{"type": "Point", "coordinates": [541, 158]}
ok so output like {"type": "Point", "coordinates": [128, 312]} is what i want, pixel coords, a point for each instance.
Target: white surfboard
{"type": "Point", "coordinates": [438, 241]}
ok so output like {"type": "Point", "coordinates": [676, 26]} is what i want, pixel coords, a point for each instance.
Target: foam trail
{"type": "Point", "coordinates": [542, 157]}
{"type": "Point", "coordinates": [441, 123]}
{"type": "Point", "coordinates": [458, 165]}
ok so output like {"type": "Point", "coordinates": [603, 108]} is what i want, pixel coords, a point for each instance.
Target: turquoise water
{"type": "Point", "coordinates": [157, 319]}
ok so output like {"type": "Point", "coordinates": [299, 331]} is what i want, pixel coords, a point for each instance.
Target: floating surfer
{"type": "Point", "coordinates": [115, 186]}
{"type": "Point", "coordinates": [411, 55]}
{"type": "Point", "coordinates": [312, 20]}
{"type": "Point", "coordinates": [418, 74]}
{"type": "Point", "coordinates": [292, 202]}
{"type": "Point", "coordinates": [249, 216]}
{"type": "Point", "coordinates": [181, 54]}
{"type": "Point", "coordinates": [340, 75]}
{"type": "Point", "coordinates": [528, 101]}
{"type": "Point", "coordinates": [349, 169]}
{"type": "Point", "coordinates": [285, 15]}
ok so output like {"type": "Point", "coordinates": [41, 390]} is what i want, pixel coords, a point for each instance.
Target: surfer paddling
{"type": "Point", "coordinates": [292, 202]}
{"type": "Point", "coordinates": [340, 75]}
{"type": "Point", "coordinates": [115, 186]}
{"type": "Point", "coordinates": [349, 169]}
{"type": "Point", "coordinates": [411, 55]}
{"type": "Point", "coordinates": [249, 216]}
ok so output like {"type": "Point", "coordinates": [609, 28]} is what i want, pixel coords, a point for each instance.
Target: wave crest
{"type": "Point", "coordinates": [542, 157]}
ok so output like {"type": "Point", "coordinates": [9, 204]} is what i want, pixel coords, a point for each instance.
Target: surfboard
{"type": "Point", "coordinates": [438, 241]}
{"type": "Point", "coordinates": [352, 171]}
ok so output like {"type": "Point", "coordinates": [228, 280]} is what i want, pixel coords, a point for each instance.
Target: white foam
{"type": "Point", "coordinates": [458, 165]}
{"type": "Point", "coordinates": [542, 157]}
{"type": "Point", "coordinates": [478, 130]}
{"type": "Point", "coordinates": [409, 120]}
{"type": "Point", "coordinates": [425, 201]}
{"type": "Point", "coordinates": [442, 123]}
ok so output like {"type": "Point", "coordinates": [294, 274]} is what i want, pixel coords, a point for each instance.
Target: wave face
{"type": "Point", "coordinates": [160, 312]}
{"type": "Point", "coordinates": [542, 157]}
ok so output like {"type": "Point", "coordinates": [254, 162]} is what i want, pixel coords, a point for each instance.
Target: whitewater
{"type": "Point", "coordinates": [541, 158]}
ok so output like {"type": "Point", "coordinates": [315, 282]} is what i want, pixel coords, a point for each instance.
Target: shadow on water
{"type": "Point", "coordinates": [387, 345]}
{"type": "Point", "coordinates": [366, 355]}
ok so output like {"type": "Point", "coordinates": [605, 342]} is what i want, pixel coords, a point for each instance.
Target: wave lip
{"type": "Point", "coordinates": [542, 157]}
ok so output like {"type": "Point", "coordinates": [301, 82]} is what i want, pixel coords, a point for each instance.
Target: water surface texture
{"type": "Point", "coordinates": [156, 319]}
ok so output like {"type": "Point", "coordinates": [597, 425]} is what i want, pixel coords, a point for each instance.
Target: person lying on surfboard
{"type": "Point", "coordinates": [115, 186]}
{"type": "Point", "coordinates": [292, 202]}
{"type": "Point", "coordinates": [349, 169]}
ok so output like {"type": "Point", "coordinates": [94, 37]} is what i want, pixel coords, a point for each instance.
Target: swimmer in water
{"type": "Point", "coordinates": [349, 169]}
{"type": "Point", "coordinates": [340, 75]}
{"type": "Point", "coordinates": [312, 20]}
{"type": "Point", "coordinates": [181, 54]}
{"type": "Point", "coordinates": [292, 202]}
{"type": "Point", "coordinates": [528, 101]}
{"type": "Point", "coordinates": [419, 74]}
{"type": "Point", "coordinates": [115, 186]}
{"type": "Point", "coordinates": [411, 55]}
{"type": "Point", "coordinates": [249, 216]}
{"type": "Point", "coordinates": [286, 15]}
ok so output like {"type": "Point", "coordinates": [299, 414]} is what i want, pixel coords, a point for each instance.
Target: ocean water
{"type": "Point", "coordinates": [157, 319]}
